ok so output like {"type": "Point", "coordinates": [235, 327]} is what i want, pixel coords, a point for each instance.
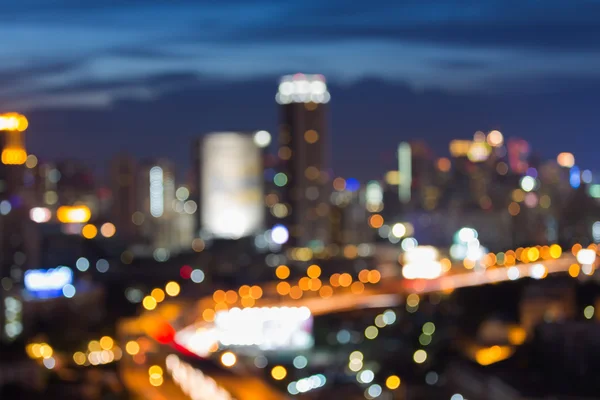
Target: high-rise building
{"type": "Point", "coordinates": [229, 170]}
{"type": "Point", "coordinates": [123, 180]}
{"type": "Point", "coordinates": [155, 198]}
{"type": "Point", "coordinates": [303, 153]}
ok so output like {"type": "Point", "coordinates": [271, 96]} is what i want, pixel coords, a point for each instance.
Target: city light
{"type": "Point", "coordinates": [278, 373]}
{"type": "Point", "coordinates": [565, 160]}
{"type": "Point", "coordinates": [194, 382]}
{"type": "Point", "coordinates": [73, 214]}
{"type": "Point", "coordinates": [422, 263]}
{"type": "Point", "coordinates": [302, 88]}
{"type": "Point", "coordinates": [40, 214]}
{"type": "Point", "coordinates": [48, 282]}
{"type": "Point", "coordinates": [586, 256]}
{"type": "Point", "coordinates": [156, 177]}
{"type": "Point", "coordinates": [279, 234]}
{"type": "Point", "coordinates": [262, 139]}
{"type": "Point", "coordinates": [13, 122]}
{"type": "Point", "coordinates": [228, 359]}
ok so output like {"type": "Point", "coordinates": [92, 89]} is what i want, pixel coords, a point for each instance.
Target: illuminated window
{"type": "Point", "coordinates": [311, 136]}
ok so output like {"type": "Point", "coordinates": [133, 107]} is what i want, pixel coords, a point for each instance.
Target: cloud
{"type": "Point", "coordinates": [456, 45]}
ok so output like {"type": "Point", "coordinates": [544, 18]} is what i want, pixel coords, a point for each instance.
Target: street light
{"type": "Point", "coordinates": [13, 152]}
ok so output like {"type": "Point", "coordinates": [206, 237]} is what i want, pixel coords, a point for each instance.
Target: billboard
{"type": "Point", "coordinates": [231, 185]}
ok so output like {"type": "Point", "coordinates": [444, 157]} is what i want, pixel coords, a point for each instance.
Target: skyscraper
{"type": "Point", "coordinates": [229, 169]}
{"type": "Point", "coordinates": [303, 155]}
{"type": "Point", "coordinates": [123, 184]}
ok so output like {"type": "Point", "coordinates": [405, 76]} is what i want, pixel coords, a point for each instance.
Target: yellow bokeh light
{"type": "Point", "coordinates": [357, 287]}
{"type": "Point", "coordinates": [256, 292]}
{"type": "Point", "coordinates": [244, 291]}
{"type": "Point", "coordinates": [73, 214]}
{"type": "Point", "coordinates": [156, 380]}
{"type": "Point", "coordinates": [282, 272]}
{"type": "Point", "coordinates": [517, 335]}
{"type": "Point", "coordinates": [278, 372]}
{"type": "Point", "coordinates": [304, 283]}
{"type": "Point", "coordinates": [89, 231]}
{"type": "Point", "coordinates": [413, 300]}
{"type": "Point", "coordinates": [149, 303]}
{"type": "Point", "coordinates": [325, 292]}
{"type": "Point", "coordinates": [420, 356]}
{"type": "Point", "coordinates": [94, 345]}
{"type": "Point", "coordinates": [219, 296]}
{"type": "Point", "coordinates": [158, 294]}
{"type": "Point", "coordinates": [228, 359]}
{"type": "Point", "coordinates": [13, 122]}
{"type": "Point", "coordinates": [155, 370]}
{"type": "Point", "coordinates": [132, 348]}
{"type": "Point", "coordinates": [283, 288]}
{"type": "Point", "coordinates": [311, 136]}
{"type": "Point", "coordinates": [514, 209]}
{"type": "Point", "coordinates": [574, 270]}
{"type": "Point", "coordinates": [376, 221]}
{"type": "Point", "coordinates": [172, 288]}
{"type": "Point", "coordinates": [314, 271]}
{"type": "Point", "coordinates": [296, 292]}
{"type": "Point", "coordinates": [231, 297]}
{"type": "Point", "coordinates": [334, 280]}
{"type": "Point", "coordinates": [46, 350]}
{"type": "Point", "coordinates": [107, 343]}
{"type": "Point", "coordinates": [392, 382]}
{"type": "Point", "coordinates": [208, 315]}
{"type": "Point", "coordinates": [14, 156]}
{"type": "Point", "coordinates": [533, 254]}
{"type": "Point", "coordinates": [374, 276]}
{"type": "Point", "coordinates": [79, 358]}
{"type": "Point", "coordinates": [108, 230]}
{"type": "Point", "coordinates": [392, 177]}
{"type": "Point", "coordinates": [371, 332]}
{"type": "Point", "coordinates": [363, 276]}
{"type": "Point", "coordinates": [345, 280]}
{"type": "Point", "coordinates": [248, 302]}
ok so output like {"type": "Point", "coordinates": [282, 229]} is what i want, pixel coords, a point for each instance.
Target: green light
{"type": "Point", "coordinates": [280, 179]}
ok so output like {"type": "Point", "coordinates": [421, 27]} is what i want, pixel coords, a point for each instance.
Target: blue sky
{"type": "Point", "coordinates": [87, 56]}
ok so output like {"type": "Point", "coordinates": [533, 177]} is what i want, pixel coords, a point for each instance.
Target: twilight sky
{"type": "Point", "coordinates": [148, 76]}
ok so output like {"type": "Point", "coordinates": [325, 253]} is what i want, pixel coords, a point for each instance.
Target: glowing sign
{"type": "Point", "coordinates": [193, 382]}
{"type": "Point", "coordinates": [48, 283]}
{"type": "Point", "coordinates": [231, 185]}
{"type": "Point", "coordinates": [422, 263]}
{"type": "Point", "coordinates": [269, 328]}
{"type": "Point", "coordinates": [73, 214]}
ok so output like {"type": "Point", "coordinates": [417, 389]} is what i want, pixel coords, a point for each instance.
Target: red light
{"type": "Point", "coordinates": [164, 333]}
{"type": "Point", "coordinates": [185, 272]}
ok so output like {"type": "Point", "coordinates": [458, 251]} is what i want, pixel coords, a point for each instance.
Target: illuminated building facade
{"type": "Point", "coordinates": [303, 153]}
{"type": "Point", "coordinates": [229, 169]}
{"type": "Point", "coordinates": [155, 197]}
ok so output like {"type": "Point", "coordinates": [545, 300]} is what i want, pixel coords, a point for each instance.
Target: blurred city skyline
{"type": "Point", "coordinates": [110, 76]}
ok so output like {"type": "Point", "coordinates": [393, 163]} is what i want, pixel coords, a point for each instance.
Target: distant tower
{"type": "Point", "coordinates": [123, 186]}
{"type": "Point", "coordinates": [303, 153]}
{"type": "Point", "coordinates": [404, 172]}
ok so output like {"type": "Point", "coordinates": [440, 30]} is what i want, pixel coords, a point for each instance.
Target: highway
{"type": "Point", "coordinates": [388, 292]}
